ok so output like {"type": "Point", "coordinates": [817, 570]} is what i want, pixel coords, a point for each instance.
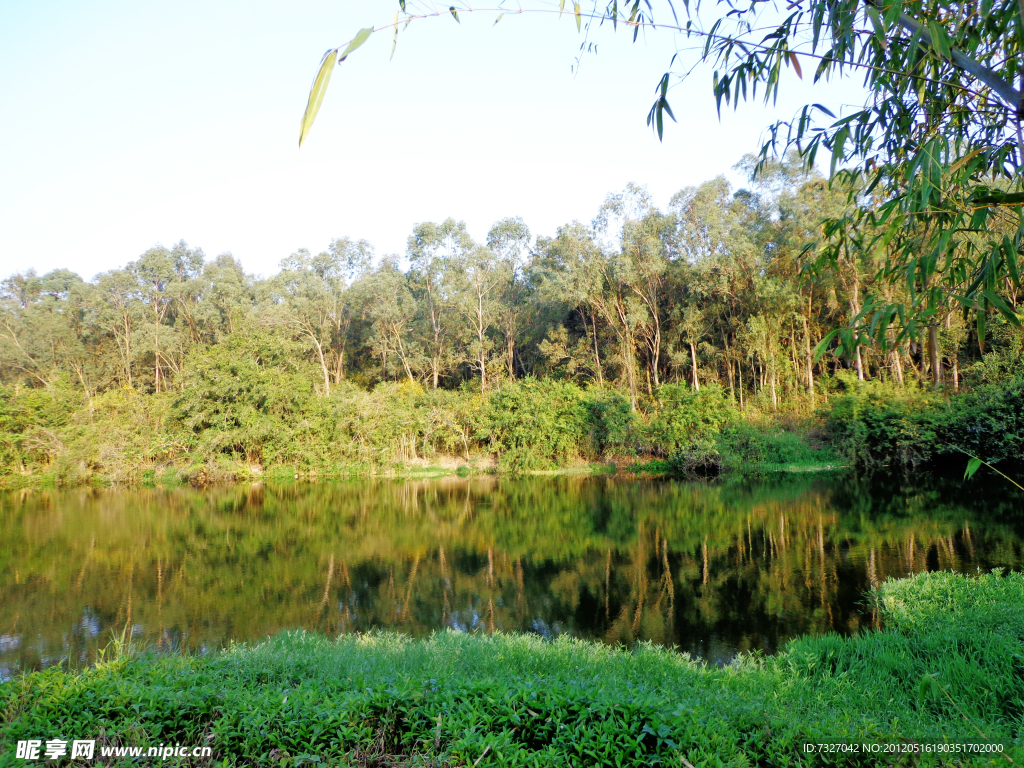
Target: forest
{"type": "Point", "coordinates": [702, 336]}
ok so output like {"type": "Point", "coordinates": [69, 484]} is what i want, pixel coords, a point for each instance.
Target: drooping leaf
{"type": "Point", "coordinates": [579, 17]}
{"type": "Point", "coordinates": [454, 13]}
{"type": "Point", "coordinates": [972, 466]}
{"type": "Point", "coordinates": [394, 40]}
{"type": "Point", "coordinates": [822, 346]}
{"type": "Point", "coordinates": [796, 65]}
{"type": "Point", "coordinates": [316, 93]}
{"type": "Point", "coordinates": [356, 41]}
{"type": "Point", "coordinates": [497, 19]}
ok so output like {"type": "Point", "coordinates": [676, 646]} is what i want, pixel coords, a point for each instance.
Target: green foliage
{"type": "Point", "coordinates": [876, 424]}
{"type": "Point", "coordinates": [611, 422]}
{"type": "Point", "coordinates": [518, 700]}
{"type": "Point", "coordinates": [750, 447]}
{"type": "Point", "coordinates": [243, 397]}
{"type": "Point", "coordinates": [532, 423]}
{"type": "Point", "coordinates": [687, 424]}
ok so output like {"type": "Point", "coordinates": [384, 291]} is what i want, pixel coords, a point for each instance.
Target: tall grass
{"type": "Point", "coordinates": [948, 667]}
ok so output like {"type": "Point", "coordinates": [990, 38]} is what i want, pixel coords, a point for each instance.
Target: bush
{"type": "Point", "coordinates": [744, 445]}
{"type": "Point", "coordinates": [875, 424]}
{"type": "Point", "coordinates": [243, 397]}
{"type": "Point", "coordinates": [686, 426]}
{"type": "Point", "coordinates": [531, 423]}
{"type": "Point", "coordinates": [32, 421]}
{"type": "Point", "coordinates": [611, 422]}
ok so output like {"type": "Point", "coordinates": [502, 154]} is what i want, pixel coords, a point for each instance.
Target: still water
{"type": "Point", "coordinates": [713, 569]}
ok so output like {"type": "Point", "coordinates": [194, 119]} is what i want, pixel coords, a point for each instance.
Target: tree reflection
{"type": "Point", "coordinates": [713, 569]}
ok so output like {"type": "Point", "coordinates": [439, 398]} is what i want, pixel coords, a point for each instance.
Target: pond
{"type": "Point", "coordinates": [711, 568]}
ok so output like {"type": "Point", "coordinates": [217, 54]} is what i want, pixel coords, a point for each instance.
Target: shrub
{"type": "Point", "coordinates": [611, 422]}
{"type": "Point", "coordinates": [744, 445]}
{"type": "Point", "coordinates": [243, 397]}
{"type": "Point", "coordinates": [875, 424]}
{"type": "Point", "coordinates": [686, 425]}
{"type": "Point", "coordinates": [532, 423]}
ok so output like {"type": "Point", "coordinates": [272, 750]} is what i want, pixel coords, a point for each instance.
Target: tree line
{"type": "Point", "coordinates": [721, 287]}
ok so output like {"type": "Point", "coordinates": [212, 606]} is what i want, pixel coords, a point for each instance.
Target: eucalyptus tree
{"type": "Point", "coordinates": [227, 296]}
{"type": "Point", "coordinates": [478, 278]}
{"type": "Point", "coordinates": [158, 272]}
{"type": "Point", "coordinates": [118, 307]}
{"type": "Point", "coordinates": [312, 292]}
{"type": "Point", "coordinates": [712, 275]}
{"type": "Point", "coordinates": [391, 309]}
{"type": "Point", "coordinates": [638, 233]}
{"type": "Point", "coordinates": [589, 277]}
{"type": "Point", "coordinates": [41, 326]}
{"type": "Point", "coordinates": [510, 240]}
{"type": "Point", "coordinates": [188, 288]}
{"type": "Point", "coordinates": [434, 252]}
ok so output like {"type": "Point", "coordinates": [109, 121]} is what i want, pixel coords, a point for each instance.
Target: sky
{"type": "Point", "coordinates": [131, 124]}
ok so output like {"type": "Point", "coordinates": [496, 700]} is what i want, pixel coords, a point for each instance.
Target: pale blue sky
{"type": "Point", "coordinates": [127, 124]}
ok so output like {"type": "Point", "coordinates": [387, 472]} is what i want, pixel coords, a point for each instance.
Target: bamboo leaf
{"type": "Point", "coordinates": [822, 346]}
{"type": "Point", "coordinates": [357, 41]}
{"type": "Point", "coordinates": [972, 466]}
{"type": "Point", "coordinates": [454, 13]}
{"type": "Point", "coordinates": [579, 18]}
{"type": "Point", "coordinates": [394, 41]}
{"type": "Point", "coordinates": [796, 65]}
{"type": "Point", "coordinates": [316, 93]}
{"type": "Point", "coordinates": [1011, 255]}
{"type": "Point", "coordinates": [497, 19]}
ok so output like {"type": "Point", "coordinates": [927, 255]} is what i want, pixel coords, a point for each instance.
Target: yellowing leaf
{"type": "Point", "coordinates": [358, 40]}
{"type": "Point", "coordinates": [796, 64]}
{"type": "Point", "coordinates": [316, 93]}
{"type": "Point", "coordinates": [576, 9]}
{"type": "Point", "coordinates": [394, 41]}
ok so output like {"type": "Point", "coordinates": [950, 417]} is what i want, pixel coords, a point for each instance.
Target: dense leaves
{"type": "Point", "coordinates": [646, 332]}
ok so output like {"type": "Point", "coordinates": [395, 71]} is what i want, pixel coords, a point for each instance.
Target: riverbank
{"type": "Point", "coordinates": [945, 670]}
{"type": "Point", "coordinates": [55, 438]}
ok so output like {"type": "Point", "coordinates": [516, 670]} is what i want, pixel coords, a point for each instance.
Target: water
{"type": "Point", "coordinates": [713, 569]}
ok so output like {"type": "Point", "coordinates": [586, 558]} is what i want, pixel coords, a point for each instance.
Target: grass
{"type": "Point", "coordinates": [949, 667]}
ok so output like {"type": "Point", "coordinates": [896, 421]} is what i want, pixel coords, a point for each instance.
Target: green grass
{"type": "Point", "coordinates": [949, 667]}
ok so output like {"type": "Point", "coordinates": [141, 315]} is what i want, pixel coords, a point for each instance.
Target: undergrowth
{"type": "Point", "coordinates": [948, 667]}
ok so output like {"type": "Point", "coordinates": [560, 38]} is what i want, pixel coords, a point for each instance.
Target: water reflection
{"type": "Point", "coordinates": [712, 569]}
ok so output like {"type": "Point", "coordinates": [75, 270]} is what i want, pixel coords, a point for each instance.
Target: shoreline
{"type": "Point", "coordinates": [940, 672]}
{"type": "Point", "coordinates": [648, 469]}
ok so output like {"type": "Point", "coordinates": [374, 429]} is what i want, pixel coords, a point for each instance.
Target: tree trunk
{"type": "Point", "coordinates": [693, 360]}
{"type": "Point", "coordinates": [933, 355]}
{"type": "Point", "coordinates": [898, 365]}
{"type": "Point", "coordinates": [728, 370]}
{"type": "Point", "coordinates": [810, 361]}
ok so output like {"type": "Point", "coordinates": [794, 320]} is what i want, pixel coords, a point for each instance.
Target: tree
{"type": "Point", "coordinates": [434, 250]}
{"type": "Point", "coordinates": [117, 297]}
{"type": "Point", "coordinates": [392, 310]}
{"type": "Point", "coordinates": [932, 160]}
{"type": "Point", "coordinates": [480, 276]}
{"type": "Point", "coordinates": [510, 240]}
{"type": "Point", "coordinates": [312, 290]}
